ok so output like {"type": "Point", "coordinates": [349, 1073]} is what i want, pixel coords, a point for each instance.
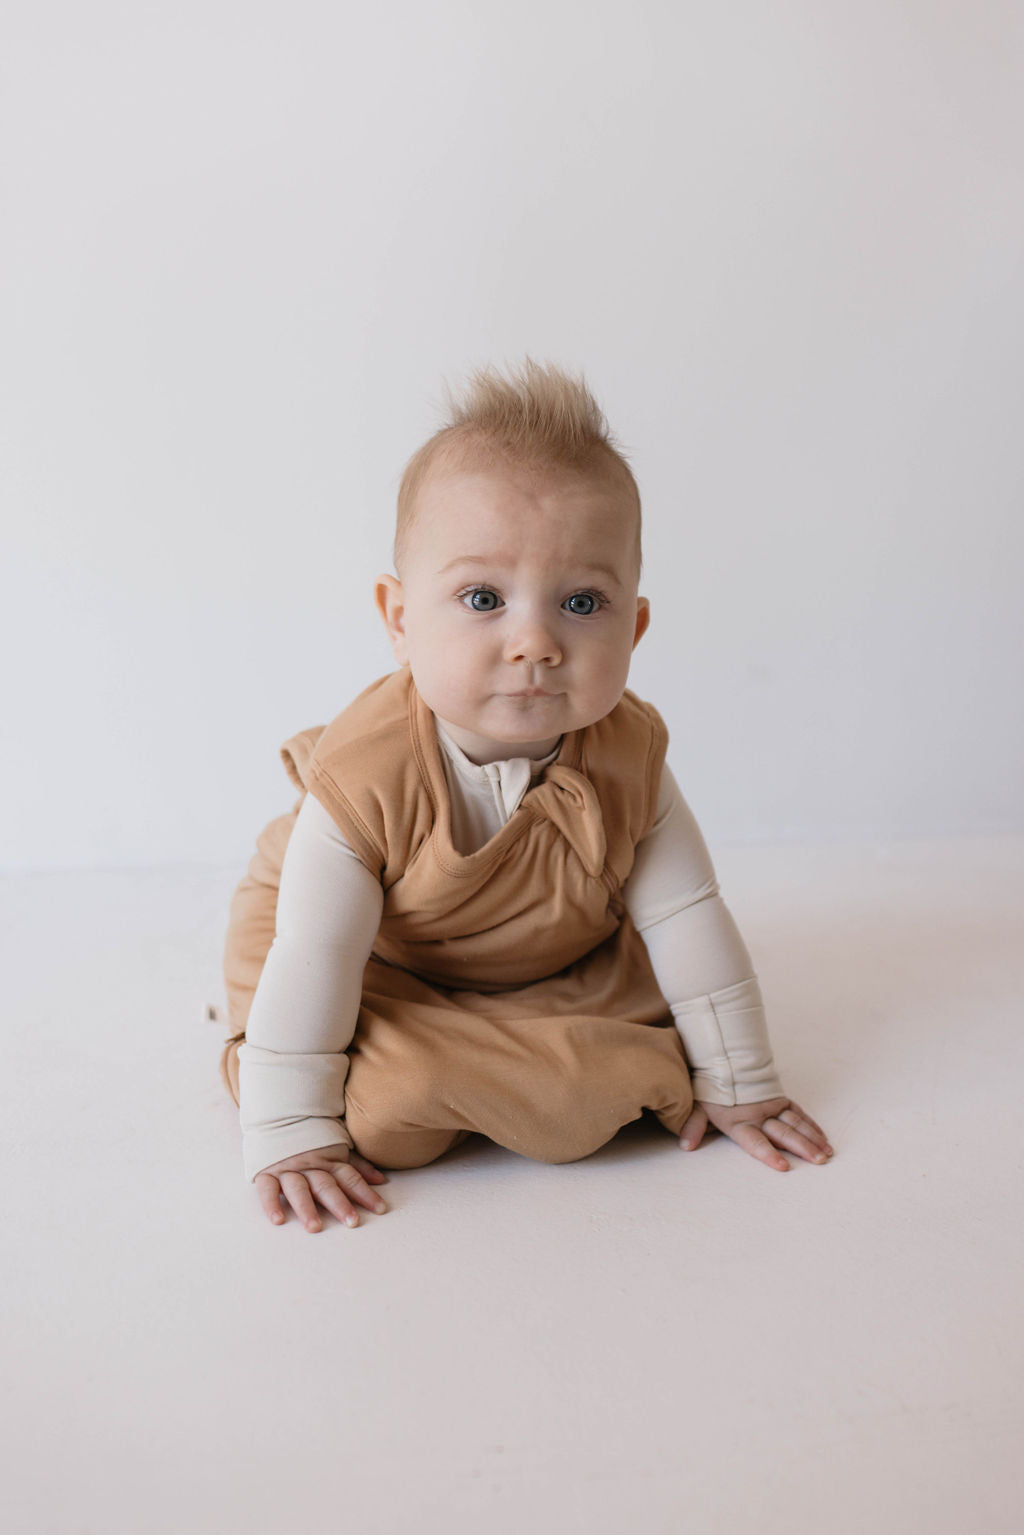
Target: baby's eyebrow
{"type": "Point", "coordinates": [604, 571]}
{"type": "Point", "coordinates": [467, 559]}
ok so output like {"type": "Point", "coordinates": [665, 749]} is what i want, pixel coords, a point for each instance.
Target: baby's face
{"type": "Point", "coordinates": [517, 610]}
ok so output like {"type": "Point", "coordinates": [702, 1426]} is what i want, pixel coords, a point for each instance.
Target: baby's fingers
{"type": "Point", "coordinates": [269, 1191]}
{"type": "Point", "coordinates": [356, 1187]}
{"type": "Point", "coordinates": [796, 1117]}
{"type": "Point", "coordinates": [301, 1199]}
{"type": "Point", "coordinates": [784, 1134]}
{"type": "Point", "coordinates": [693, 1129]}
{"type": "Point", "coordinates": [756, 1144]}
{"type": "Point", "coordinates": [331, 1197]}
{"type": "Point", "coordinates": [296, 1189]}
{"type": "Point", "coordinates": [370, 1173]}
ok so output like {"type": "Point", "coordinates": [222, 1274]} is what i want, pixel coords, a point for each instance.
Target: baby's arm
{"type": "Point", "coordinates": [292, 1066]}
{"type": "Point", "coordinates": [705, 974]}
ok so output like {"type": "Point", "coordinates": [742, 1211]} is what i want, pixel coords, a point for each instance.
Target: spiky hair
{"type": "Point", "coordinates": [537, 417]}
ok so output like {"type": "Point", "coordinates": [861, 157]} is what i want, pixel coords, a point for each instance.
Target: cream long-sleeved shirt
{"type": "Point", "coordinates": [292, 1066]}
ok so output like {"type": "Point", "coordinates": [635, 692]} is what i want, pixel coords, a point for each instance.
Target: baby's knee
{"type": "Point", "coordinates": [568, 1115]}
{"type": "Point", "coordinates": [389, 1139]}
{"type": "Point", "coordinates": [583, 1104]}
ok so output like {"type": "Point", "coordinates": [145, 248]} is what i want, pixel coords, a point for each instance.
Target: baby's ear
{"type": "Point", "coordinates": [390, 600]}
{"type": "Point", "coordinates": [643, 619]}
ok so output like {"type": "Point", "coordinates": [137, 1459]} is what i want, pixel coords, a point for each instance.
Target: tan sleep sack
{"type": "Point", "coordinates": [508, 992]}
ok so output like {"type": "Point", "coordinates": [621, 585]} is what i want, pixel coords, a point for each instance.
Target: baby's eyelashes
{"type": "Point", "coordinates": [583, 604]}
{"type": "Point", "coordinates": [482, 599]}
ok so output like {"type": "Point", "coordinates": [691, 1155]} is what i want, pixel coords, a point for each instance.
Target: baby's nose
{"type": "Point", "coordinates": [534, 642]}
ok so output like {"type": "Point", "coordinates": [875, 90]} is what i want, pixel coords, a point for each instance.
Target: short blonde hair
{"type": "Point", "coordinates": [538, 417]}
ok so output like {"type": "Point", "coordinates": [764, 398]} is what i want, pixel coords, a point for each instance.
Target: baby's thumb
{"type": "Point", "coordinates": [693, 1130]}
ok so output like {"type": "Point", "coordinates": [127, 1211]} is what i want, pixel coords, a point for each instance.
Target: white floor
{"type": "Point", "coordinates": [645, 1340]}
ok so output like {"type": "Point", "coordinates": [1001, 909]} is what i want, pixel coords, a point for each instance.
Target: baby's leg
{"type": "Point", "coordinates": [427, 1069]}
{"type": "Point", "coordinates": [395, 1149]}
{"type": "Point", "coordinates": [395, 1106]}
{"type": "Point", "coordinates": [576, 1081]}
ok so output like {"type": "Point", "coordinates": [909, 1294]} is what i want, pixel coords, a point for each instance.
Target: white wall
{"type": "Point", "coordinates": [244, 242]}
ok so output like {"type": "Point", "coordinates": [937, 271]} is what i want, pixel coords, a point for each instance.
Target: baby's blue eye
{"type": "Point", "coordinates": [582, 603]}
{"type": "Point", "coordinates": [482, 600]}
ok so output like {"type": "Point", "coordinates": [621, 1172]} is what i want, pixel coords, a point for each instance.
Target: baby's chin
{"type": "Point", "coordinates": [556, 713]}
{"type": "Point", "coordinates": [524, 717]}
{"type": "Point", "coordinates": [495, 735]}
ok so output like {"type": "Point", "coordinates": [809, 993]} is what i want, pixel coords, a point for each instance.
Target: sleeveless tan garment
{"type": "Point", "coordinates": [508, 991]}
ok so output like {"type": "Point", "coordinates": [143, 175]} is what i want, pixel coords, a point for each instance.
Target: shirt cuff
{"type": "Point", "coordinates": [725, 1036]}
{"type": "Point", "coordinates": [289, 1103]}
{"type": "Point", "coordinates": [272, 1143]}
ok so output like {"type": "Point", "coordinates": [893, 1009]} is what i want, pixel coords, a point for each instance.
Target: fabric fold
{"type": "Point", "coordinates": [289, 1103]}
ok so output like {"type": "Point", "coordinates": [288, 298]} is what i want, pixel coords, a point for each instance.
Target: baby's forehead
{"type": "Point", "coordinates": [485, 504]}
{"type": "Point", "coordinates": [504, 491]}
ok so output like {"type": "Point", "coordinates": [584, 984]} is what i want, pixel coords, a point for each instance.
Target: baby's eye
{"type": "Point", "coordinates": [582, 603]}
{"type": "Point", "coordinates": [481, 599]}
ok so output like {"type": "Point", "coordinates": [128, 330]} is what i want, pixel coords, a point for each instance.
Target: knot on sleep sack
{"type": "Point", "coordinates": [571, 804]}
{"type": "Point", "coordinates": [563, 796]}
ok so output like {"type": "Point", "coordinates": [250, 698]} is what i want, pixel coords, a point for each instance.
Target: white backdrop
{"type": "Point", "coordinates": [243, 243]}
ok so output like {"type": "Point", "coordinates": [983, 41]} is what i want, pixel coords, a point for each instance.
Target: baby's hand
{"type": "Point", "coordinates": [759, 1128]}
{"type": "Point", "coordinates": [325, 1173]}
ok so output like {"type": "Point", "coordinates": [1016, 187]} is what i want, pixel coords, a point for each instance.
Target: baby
{"type": "Point", "coordinates": [491, 909]}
